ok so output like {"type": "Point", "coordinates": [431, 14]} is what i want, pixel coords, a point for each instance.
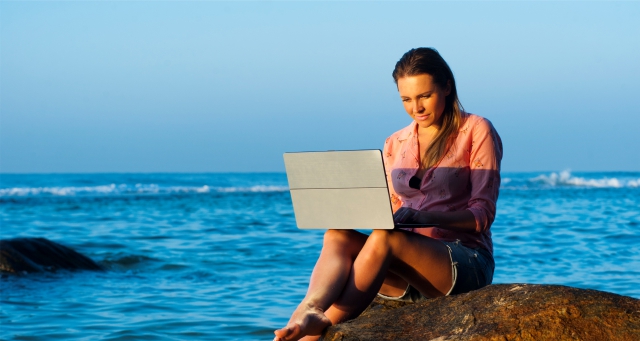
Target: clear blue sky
{"type": "Point", "coordinates": [230, 86]}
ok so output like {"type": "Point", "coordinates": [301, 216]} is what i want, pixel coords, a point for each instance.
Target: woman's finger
{"type": "Point", "coordinates": [403, 215]}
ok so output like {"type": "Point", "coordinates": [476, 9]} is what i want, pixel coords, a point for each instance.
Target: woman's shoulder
{"type": "Point", "coordinates": [476, 127]}
{"type": "Point", "coordinates": [476, 123]}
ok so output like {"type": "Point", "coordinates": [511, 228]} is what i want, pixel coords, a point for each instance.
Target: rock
{"type": "Point", "coordinates": [25, 255]}
{"type": "Point", "coordinates": [502, 312]}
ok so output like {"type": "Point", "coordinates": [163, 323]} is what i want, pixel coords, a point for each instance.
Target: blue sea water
{"type": "Point", "coordinates": [218, 256]}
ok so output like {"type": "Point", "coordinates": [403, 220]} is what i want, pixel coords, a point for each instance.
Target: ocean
{"type": "Point", "coordinates": [218, 256]}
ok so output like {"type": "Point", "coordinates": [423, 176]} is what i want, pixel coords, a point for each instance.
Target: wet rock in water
{"type": "Point", "coordinates": [26, 255]}
{"type": "Point", "coordinates": [502, 312]}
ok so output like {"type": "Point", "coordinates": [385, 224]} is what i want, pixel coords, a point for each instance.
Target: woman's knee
{"type": "Point", "coordinates": [384, 239]}
{"type": "Point", "coordinates": [379, 244]}
{"type": "Point", "coordinates": [342, 239]}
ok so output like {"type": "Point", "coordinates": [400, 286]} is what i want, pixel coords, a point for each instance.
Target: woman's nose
{"type": "Point", "coordinates": [417, 107]}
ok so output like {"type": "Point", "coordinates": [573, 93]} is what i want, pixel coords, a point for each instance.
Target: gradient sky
{"type": "Point", "coordinates": [229, 86]}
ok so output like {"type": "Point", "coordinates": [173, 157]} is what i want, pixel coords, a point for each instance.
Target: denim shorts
{"type": "Point", "coordinates": [472, 269]}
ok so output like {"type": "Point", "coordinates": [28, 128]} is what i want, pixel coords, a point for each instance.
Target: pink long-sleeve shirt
{"type": "Point", "coordinates": [466, 178]}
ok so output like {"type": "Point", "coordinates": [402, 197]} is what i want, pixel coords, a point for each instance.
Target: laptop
{"type": "Point", "coordinates": [340, 190]}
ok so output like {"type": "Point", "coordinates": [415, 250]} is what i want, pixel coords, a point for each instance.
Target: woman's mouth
{"type": "Point", "coordinates": [422, 117]}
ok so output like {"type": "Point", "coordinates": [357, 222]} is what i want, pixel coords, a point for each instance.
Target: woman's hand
{"type": "Point", "coordinates": [406, 215]}
{"type": "Point", "coordinates": [462, 221]}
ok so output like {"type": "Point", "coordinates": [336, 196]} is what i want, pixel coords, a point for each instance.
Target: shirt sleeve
{"type": "Point", "coordinates": [388, 155]}
{"type": "Point", "coordinates": [485, 158]}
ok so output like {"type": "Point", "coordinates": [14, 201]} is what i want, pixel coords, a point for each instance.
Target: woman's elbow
{"type": "Point", "coordinates": [483, 218]}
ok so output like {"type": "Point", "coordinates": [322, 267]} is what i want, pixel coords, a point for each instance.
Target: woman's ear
{"type": "Point", "coordinates": [447, 90]}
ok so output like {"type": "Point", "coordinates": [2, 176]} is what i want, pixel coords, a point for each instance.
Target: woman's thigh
{"type": "Point", "coordinates": [344, 241]}
{"type": "Point", "coordinates": [473, 269]}
{"type": "Point", "coordinates": [420, 261]}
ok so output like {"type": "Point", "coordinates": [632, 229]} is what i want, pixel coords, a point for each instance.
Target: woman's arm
{"type": "Point", "coordinates": [459, 221]}
{"type": "Point", "coordinates": [485, 158]}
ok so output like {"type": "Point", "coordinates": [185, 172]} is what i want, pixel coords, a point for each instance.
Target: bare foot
{"type": "Point", "coordinates": [306, 320]}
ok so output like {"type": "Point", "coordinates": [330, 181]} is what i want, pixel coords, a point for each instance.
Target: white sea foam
{"type": "Point", "coordinates": [565, 178]}
{"type": "Point", "coordinates": [57, 191]}
{"type": "Point", "coordinates": [255, 189]}
{"type": "Point", "coordinates": [124, 189]}
{"type": "Point", "coordinates": [633, 183]}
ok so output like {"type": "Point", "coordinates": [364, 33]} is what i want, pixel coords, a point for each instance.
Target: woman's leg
{"type": "Point", "coordinates": [393, 285]}
{"type": "Point", "coordinates": [421, 261]}
{"type": "Point", "coordinates": [418, 260]}
{"type": "Point", "coordinates": [339, 250]}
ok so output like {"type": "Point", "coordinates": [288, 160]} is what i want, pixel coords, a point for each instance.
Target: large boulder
{"type": "Point", "coordinates": [502, 312]}
{"type": "Point", "coordinates": [26, 255]}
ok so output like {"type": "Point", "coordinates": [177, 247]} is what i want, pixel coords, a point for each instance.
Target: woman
{"type": "Point", "coordinates": [443, 170]}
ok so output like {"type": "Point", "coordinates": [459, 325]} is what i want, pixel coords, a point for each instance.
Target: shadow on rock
{"type": "Point", "coordinates": [500, 312]}
{"type": "Point", "coordinates": [28, 255]}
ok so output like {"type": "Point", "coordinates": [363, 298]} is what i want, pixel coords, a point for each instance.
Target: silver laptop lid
{"type": "Point", "coordinates": [339, 190]}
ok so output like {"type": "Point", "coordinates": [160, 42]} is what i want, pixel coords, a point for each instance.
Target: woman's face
{"type": "Point", "coordinates": [423, 100]}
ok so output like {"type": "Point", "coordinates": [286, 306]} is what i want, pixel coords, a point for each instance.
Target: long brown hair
{"type": "Point", "coordinates": [425, 60]}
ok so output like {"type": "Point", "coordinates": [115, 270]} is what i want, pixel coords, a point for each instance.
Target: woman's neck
{"type": "Point", "coordinates": [429, 131]}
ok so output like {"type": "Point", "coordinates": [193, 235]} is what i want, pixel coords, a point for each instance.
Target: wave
{"type": "Point", "coordinates": [124, 189]}
{"type": "Point", "coordinates": [522, 181]}
{"type": "Point", "coordinates": [566, 179]}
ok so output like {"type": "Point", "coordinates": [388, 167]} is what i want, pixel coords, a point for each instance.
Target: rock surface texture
{"type": "Point", "coordinates": [500, 312]}
{"type": "Point", "coordinates": [25, 255]}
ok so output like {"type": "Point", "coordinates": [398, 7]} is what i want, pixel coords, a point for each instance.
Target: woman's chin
{"type": "Point", "coordinates": [425, 123]}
